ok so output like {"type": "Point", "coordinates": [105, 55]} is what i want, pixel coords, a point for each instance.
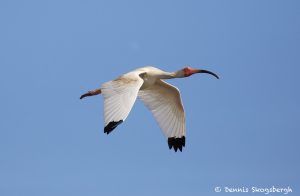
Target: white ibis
{"type": "Point", "coordinates": [161, 98]}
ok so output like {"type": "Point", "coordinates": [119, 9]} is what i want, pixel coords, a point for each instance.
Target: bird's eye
{"type": "Point", "coordinates": [187, 69]}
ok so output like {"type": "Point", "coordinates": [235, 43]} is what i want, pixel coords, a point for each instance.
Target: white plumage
{"type": "Point", "coordinates": [164, 101]}
{"type": "Point", "coordinates": [161, 98]}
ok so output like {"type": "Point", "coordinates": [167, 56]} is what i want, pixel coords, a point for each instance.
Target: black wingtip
{"type": "Point", "coordinates": [111, 126]}
{"type": "Point", "coordinates": [176, 143]}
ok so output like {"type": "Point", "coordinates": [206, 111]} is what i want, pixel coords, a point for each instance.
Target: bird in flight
{"type": "Point", "coordinates": [160, 97]}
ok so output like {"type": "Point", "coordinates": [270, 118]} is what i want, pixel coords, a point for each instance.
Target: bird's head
{"type": "Point", "coordinates": [188, 71]}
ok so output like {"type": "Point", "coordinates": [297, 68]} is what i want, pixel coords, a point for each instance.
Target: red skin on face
{"type": "Point", "coordinates": [189, 71]}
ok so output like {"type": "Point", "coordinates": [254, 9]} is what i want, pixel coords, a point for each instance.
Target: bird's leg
{"type": "Point", "coordinates": [91, 93]}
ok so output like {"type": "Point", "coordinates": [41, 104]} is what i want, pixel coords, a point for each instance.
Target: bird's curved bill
{"type": "Point", "coordinates": [208, 72]}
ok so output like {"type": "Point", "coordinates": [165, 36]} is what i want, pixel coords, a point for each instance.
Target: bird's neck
{"type": "Point", "coordinates": [170, 75]}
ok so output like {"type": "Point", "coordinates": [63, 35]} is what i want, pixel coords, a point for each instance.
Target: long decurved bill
{"type": "Point", "coordinates": [208, 72]}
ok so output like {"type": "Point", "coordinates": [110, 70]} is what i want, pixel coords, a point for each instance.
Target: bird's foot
{"type": "Point", "coordinates": [91, 93]}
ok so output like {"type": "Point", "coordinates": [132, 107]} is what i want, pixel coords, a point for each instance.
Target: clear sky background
{"type": "Point", "coordinates": [242, 130]}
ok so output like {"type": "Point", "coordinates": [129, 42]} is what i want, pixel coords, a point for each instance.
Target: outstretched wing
{"type": "Point", "coordinates": [119, 97]}
{"type": "Point", "coordinates": [164, 101]}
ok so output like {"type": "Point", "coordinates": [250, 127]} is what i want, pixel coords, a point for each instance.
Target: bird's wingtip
{"type": "Point", "coordinates": [111, 126]}
{"type": "Point", "coordinates": [176, 143]}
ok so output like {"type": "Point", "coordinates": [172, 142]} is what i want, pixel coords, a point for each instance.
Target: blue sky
{"type": "Point", "coordinates": [242, 130]}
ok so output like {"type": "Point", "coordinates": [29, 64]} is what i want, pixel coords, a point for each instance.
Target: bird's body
{"type": "Point", "coordinates": [149, 74]}
{"type": "Point", "coordinates": [161, 98]}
